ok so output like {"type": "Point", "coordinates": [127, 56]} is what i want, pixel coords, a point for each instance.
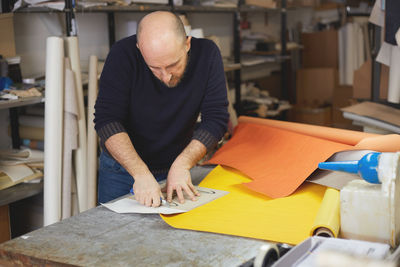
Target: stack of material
{"type": "Point", "coordinates": [17, 166]}
{"type": "Point", "coordinates": [68, 188]}
{"type": "Point", "coordinates": [259, 103]}
{"type": "Point", "coordinates": [374, 117]}
{"type": "Point", "coordinates": [31, 130]}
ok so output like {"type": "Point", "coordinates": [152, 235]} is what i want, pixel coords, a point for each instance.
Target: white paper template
{"type": "Point", "coordinates": [130, 205]}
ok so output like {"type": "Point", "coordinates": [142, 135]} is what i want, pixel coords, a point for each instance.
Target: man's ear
{"type": "Point", "coordinates": [188, 42]}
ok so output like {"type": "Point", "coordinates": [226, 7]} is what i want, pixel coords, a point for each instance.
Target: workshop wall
{"type": "Point", "coordinates": [31, 31]}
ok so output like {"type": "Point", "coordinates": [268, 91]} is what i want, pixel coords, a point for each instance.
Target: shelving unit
{"type": "Point", "coordinates": [13, 105]}
{"type": "Point", "coordinates": [22, 190]}
{"type": "Point", "coordinates": [140, 8]}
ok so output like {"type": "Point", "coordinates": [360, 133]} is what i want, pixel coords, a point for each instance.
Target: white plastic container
{"type": "Point", "coordinates": [371, 212]}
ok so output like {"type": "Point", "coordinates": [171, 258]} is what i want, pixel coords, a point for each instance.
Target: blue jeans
{"type": "Point", "coordinates": [114, 180]}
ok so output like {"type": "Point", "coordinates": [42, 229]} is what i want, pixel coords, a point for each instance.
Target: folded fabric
{"type": "Point", "coordinates": [243, 212]}
{"type": "Point", "coordinates": [277, 160]}
{"type": "Point", "coordinates": [279, 156]}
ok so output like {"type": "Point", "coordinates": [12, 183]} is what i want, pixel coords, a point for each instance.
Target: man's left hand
{"type": "Point", "coordinates": [180, 180]}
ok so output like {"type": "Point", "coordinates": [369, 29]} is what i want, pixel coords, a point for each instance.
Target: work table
{"type": "Point", "coordinates": [100, 237]}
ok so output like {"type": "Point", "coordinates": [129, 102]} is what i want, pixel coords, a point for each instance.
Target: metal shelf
{"type": "Point", "coordinates": [19, 191]}
{"type": "Point", "coordinates": [235, 11]}
{"type": "Point", "coordinates": [232, 67]}
{"type": "Point", "coordinates": [20, 102]}
{"type": "Point", "coordinates": [150, 8]}
{"type": "Point", "coordinates": [130, 8]}
{"type": "Point", "coordinates": [246, 8]}
{"type": "Point", "coordinates": [38, 10]}
{"type": "Point", "coordinates": [187, 8]}
{"type": "Point", "coordinates": [79, 9]}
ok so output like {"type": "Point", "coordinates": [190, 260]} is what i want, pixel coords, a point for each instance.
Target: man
{"type": "Point", "coordinates": [152, 89]}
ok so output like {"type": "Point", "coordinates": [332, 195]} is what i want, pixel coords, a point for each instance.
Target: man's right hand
{"type": "Point", "coordinates": [147, 190]}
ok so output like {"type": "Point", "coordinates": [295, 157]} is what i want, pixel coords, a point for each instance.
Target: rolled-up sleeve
{"type": "Point", "coordinates": [112, 103]}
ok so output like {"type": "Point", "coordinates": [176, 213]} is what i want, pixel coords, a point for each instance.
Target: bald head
{"type": "Point", "coordinates": [162, 41]}
{"type": "Point", "coordinates": [161, 25]}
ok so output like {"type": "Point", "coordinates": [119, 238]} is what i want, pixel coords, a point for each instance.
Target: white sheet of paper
{"type": "Point", "coordinates": [130, 205]}
{"type": "Point", "coordinates": [16, 172]}
{"type": "Point", "coordinates": [385, 52]}
{"type": "Point", "coordinates": [16, 156]}
{"type": "Point", "coordinates": [377, 16]}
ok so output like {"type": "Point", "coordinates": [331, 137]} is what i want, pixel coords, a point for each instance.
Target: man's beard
{"type": "Point", "coordinates": [175, 80]}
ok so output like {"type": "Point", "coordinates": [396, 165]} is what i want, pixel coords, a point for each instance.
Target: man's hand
{"type": "Point", "coordinates": [147, 190]}
{"type": "Point", "coordinates": [179, 179]}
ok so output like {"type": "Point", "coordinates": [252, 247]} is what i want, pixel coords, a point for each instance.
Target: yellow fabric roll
{"type": "Point", "coordinates": [327, 222]}
{"type": "Point", "coordinates": [244, 212]}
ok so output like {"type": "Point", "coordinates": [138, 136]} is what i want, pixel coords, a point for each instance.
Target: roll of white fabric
{"type": "Point", "coordinates": [92, 136]}
{"type": "Point", "coordinates": [342, 55]}
{"type": "Point", "coordinates": [53, 129]}
{"type": "Point", "coordinates": [81, 152]}
{"type": "Point", "coordinates": [359, 46]}
{"type": "Point", "coordinates": [351, 55]}
{"type": "Point", "coordinates": [394, 76]}
{"type": "Point", "coordinates": [70, 138]}
{"type": "Point", "coordinates": [32, 121]}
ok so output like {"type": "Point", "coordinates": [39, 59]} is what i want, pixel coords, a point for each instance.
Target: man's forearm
{"type": "Point", "coordinates": [121, 148]}
{"type": "Point", "coordinates": [190, 155]}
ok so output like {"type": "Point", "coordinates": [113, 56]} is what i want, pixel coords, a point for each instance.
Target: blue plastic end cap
{"type": "Point", "coordinates": [5, 83]}
{"type": "Point", "coordinates": [368, 167]}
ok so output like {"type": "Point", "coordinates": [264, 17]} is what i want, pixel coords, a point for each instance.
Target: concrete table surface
{"type": "Point", "coordinates": [100, 237]}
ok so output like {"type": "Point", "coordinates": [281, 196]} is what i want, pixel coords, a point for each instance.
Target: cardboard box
{"type": "Point", "coordinates": [7, 42]}
{"type": "Point", "coordinates": [317, 116]}
{"type": "Point", "coordinates": [320, 49]}
{"type": "Point", "coordinates": [315, 86]}
{"type": "Point", "coordinates": [272, 84]}
{"type": "Point", "coordinates": [342, 97]}
{"type": "Point", "coordinates": [362, 81]}
{"type": "Point", "coordinates": [262, 3]}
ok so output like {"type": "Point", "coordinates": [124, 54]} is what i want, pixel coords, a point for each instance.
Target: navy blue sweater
{"type": "Point", "coordinates": [160, 121]}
